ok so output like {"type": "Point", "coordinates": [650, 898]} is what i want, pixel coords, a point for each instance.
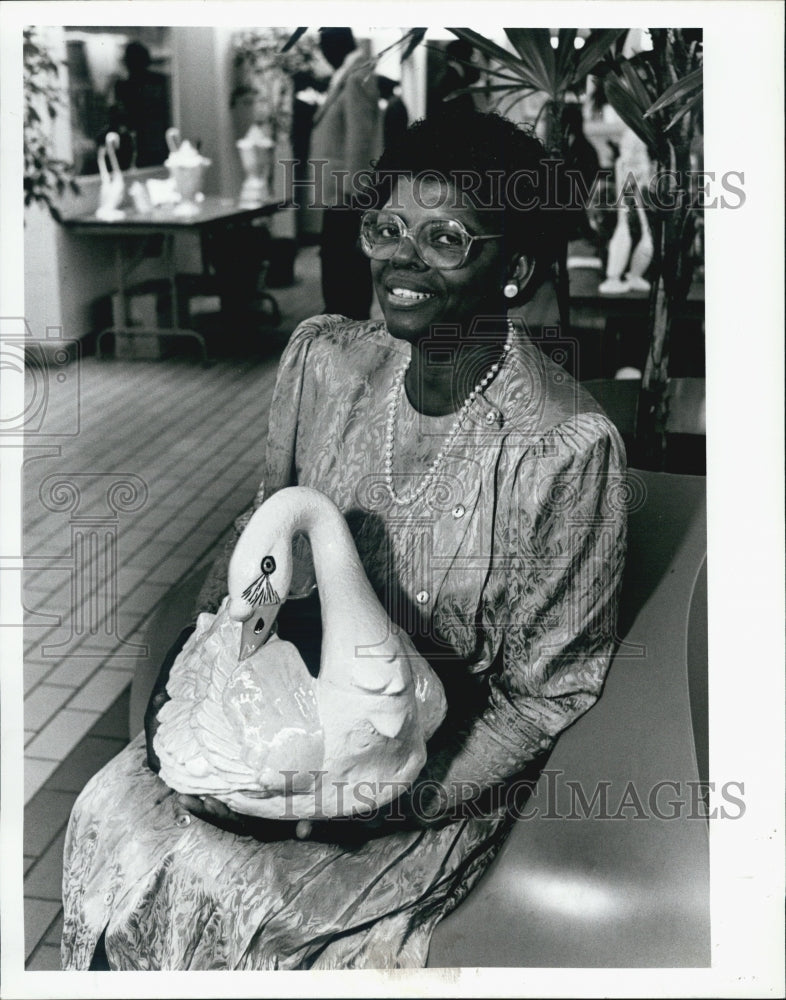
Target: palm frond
{"type": "Point", "coordinates": [500, 88]}
{"type": "Point", "coordinates": [413, 38]}
{"type": "Point", "coordinates": [293, 39]}
{"type": "Point", "coordinates": [409, 41]}
{"type": "Point", "coordinates": [494, 51]}
{"type": "Point", "coordinates": [629, 109]}
{"type": "Point", "coordinates": [565, 53]}
{"type": "Point", "coordinates": [638, 91]}
{"type": "Point", "coordinates": [487, 70]}
{"type": "Point", "coordinates": [688, 87]}
{"type": "Point", "coordinates": [597, 45]}
{"type": "Point", "coordinates": [689, 106]}
{"type": "Point", "coordinates": [534, 47]}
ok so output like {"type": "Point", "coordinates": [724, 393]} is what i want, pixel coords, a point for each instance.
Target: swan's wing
{"type": "Point", "coordinates": [197, 749]}
{"type": "Point", "coordinates": [271, 704]}
{"type": "Point", "coordinates": [379, 714]}
{"type": "Point", "coordinates": [184, 679]}
{"type": "Point", "coordinates": [240, 729]}
{"type": "Point", "coordinates": [405, 684]}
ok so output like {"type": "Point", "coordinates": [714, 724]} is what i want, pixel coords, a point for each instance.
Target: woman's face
{"type": "Point", "coordinates": [414, 296]}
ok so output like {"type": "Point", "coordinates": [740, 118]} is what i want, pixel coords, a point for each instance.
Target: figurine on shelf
{"type": "Point", "coordinates": [255, 150]}
{"type": "Point", "coordinates": [187, 167]}
{"type": "Point", "coordinates": [113, 189]}
{"type": "Point", "coordinates": [633, 172]}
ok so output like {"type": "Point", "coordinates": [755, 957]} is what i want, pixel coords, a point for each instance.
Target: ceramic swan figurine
{"type": "Point", "coordinates": [250, 731]}
{"type": "Point", "coordinates": [113, 188]}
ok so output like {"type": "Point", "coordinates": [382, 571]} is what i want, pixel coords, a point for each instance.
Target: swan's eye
{"type": "Point", "coordinates": [268, 565]}
{"type": "Point", "coordinates": [260, 625]}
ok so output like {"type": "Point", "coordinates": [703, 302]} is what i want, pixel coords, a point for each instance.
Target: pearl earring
{"type": "Point", "coordinates": [511, 290]}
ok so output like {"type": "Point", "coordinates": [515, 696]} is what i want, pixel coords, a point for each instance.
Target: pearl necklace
{"type": "Point", "coordinates": [390, 430]}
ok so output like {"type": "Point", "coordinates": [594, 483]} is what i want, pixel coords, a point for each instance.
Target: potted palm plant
{"type": "Point", "coordinates": [657, 93]}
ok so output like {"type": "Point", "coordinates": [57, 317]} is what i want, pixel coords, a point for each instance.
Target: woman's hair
{"type": "Point", "coordinates": [503, 168]}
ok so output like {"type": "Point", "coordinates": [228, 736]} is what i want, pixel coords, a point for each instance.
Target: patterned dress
{"type": "Point", "coordinates": [505, 572]}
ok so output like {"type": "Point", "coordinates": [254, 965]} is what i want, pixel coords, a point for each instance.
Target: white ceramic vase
{"type": "Point", "coordinates": [256, 150]}
{"type": "Point", "coordinates": [187, 168]}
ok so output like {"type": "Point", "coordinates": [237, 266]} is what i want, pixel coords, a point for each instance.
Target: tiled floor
{"type": "Point", "coordinates": [165, 454]}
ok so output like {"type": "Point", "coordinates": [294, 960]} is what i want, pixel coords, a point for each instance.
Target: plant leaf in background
{"type": "Point", "coordinates": [534, 48]}
{"type": "Point", "coordinates": [600, 42]}
{"type": "Point", "coordinates": [293, 39]}
{"type": "Point", "coordinates": [630, 110]}
{"type": "Point", "coordinates": [635, 86]}
{"type": "Point", "coordinates": [688, 86]}
{"type": "Point", "coordinates": [415, 37]}
{"type": "Point", "coordinates": [694, 104]}
{"type": "Point", "coordinates": [45, 176]}
{"type": "Point", "coordinates": [566, 50]}
{"type": "Point", "coordinates": [489, 48]}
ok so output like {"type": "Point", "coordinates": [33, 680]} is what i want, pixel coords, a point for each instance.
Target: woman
{"type": "Point", "coordinates": [479, 483]}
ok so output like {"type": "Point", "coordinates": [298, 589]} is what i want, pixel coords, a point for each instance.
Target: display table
{"type": "Point", "coordinates": [214, 215]}
{"type": "Point", "coordinates": [584, 282]}
{"type": "Point", "coordinates": [614, 329]}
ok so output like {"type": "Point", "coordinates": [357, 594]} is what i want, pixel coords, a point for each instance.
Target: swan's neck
{"type": "Point", "coordinates": [339, 571]}
{"type": "Point", "coordinates": [102, 168]}
{"type": "Point", "coordinates": [115, 165]}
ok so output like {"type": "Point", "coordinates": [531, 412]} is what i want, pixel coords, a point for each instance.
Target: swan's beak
{"type": "Point", "coordinates": [256, 630]}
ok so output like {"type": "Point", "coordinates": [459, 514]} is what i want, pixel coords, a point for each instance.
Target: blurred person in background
{"type": "Point", "coordinates": [457, 74]}
{"type": "Point", "coordinates": [142, 105]}
{"type": "Point", "coordinates": [581, 158]}
{"type": "Point", "coordinates": [347, 135]}
{"type": "Point", "coordinates": [395, 118]}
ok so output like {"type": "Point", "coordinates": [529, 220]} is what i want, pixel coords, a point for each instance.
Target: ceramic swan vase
{"type": "Point", "coordinates": [261, 733]}
{"type": "Point", "coordinates": [113, 188]}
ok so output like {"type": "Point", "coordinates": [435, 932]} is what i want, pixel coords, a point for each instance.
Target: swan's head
{"type": "Point", "coordinates": [260, 574]}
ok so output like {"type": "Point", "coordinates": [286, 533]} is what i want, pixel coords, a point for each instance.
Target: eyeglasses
{"type": "Point", "coordinates": [442, 243]}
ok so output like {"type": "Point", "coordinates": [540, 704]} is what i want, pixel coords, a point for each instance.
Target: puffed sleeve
{"type": "Point", "coordinates": [278, 470]}
{"type": "Point", "coordinates": [563, 534]}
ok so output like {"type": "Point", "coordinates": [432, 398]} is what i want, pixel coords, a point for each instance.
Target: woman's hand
{"type": "Point", "coordinates": [347, 831]}
{"type": "Point", "coordinates": [212, 810]}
